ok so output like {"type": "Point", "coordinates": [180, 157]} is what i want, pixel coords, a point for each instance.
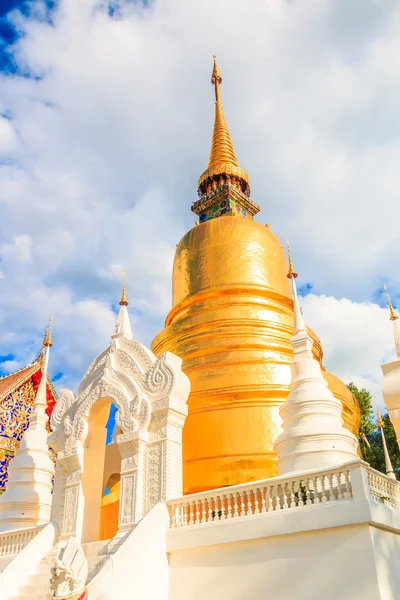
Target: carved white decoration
{"type": "Point", "coordinates": [65, 400]}
{"type": "Point", "coordinates": [69, 573]}
{"type": "Point", "coordinates": [150, 396]}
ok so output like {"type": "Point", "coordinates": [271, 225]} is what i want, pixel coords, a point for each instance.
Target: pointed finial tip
{"type": "Point", "coordinates": [393, 315]}
{"type": "Point", "coordinates": [49, 339]}
{"type": "Point", "coordinates": [124, 299]}
{"type": "Point", "coordinates": [216, 75]}
{"type": "Point", "coordinates": [291, 273]}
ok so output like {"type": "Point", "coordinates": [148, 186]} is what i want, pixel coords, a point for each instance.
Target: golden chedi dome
{"type": "Point", "coordinates": [231, 323]}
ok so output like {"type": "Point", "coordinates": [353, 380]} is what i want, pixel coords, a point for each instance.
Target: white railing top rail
{"type": "Point", "coordinates": [268, 495]}
{"type": "Point", "coordinates": [285, 492]}
{"type": "Point", "coordinates": [25, 530]}
{"type": "Point", "coordinates": [12, 542]}
{"type": "Point", "coordinates": [264, 482]}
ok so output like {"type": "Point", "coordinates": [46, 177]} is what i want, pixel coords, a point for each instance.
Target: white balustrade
{"type": "Point", "coordinates": [282, 493]}
{"type": "Point", "coordinates": [12, 542]}
{"type": "Point", "coordinates": [383, 489]}
{"type": "Point", "coordinates": [269, 495]}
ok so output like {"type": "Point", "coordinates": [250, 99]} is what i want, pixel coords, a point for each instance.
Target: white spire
{"type": "Point", "coordinates": [28, 496]}
{"type": "Point", "coordinates": [393, 317]}
{"type": "Point", "coordinates": [313, 434]}
{"type": "Point", "coordinates": [123, 325]}
{"type": "Point", "coordinates": [388, 463]}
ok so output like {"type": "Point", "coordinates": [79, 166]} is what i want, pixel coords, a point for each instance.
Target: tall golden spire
{"type": "Point", "coordinates": [291, 273]}
{"type": "Point", "coordinates": [124, 299]}
{"type": "Point", "coordinates": [222, 164]}
{"type": "Point", "coordinates": [393, 315]}
{"type": "Point", "coordinates": [222, 151]}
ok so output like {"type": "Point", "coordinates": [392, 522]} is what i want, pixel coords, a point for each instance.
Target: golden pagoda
{"type": "Point", "coordinates": [231, 323]}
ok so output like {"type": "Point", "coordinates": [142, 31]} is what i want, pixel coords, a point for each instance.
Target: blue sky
{"type": "Point", "coordinates": [105, 126]}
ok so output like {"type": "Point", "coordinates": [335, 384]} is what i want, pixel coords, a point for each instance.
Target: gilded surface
{"type": "Point", "coordinates": [14, 419]}
{"type": "Point", "coordinates": [231, 323]}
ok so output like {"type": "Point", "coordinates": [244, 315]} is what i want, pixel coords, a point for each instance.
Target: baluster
{"type": "Point", "coordinates": [300, 501]}
{"type": "Point", "coordinates": [270, 498]}
{"type": "Point", "coordinates": [292, 495]}
{"type": "Point", "coordinates": [277, 499]}
{"type": "Point", "coordinates": [323, 488]}
{"type": "Point", "coordinates": [257, 501]}
{"type": "Point", "coordinates": [247, 499]}
{"type": "Point", "coordinates": [197, 511]}
{"type": "Point", "coordinates": [216, 512]}
{"type": "Point", "coordinates": [340, 475]}
{"type": "Point", "coordinates": [223, 510]}
{"type": "Point", "coordinates": [285, 498]}
{"type": "Point", "coordinates": [209, 511]}
{"type": "Point", "coordinates": [191, 511]}
{"type": "Point", "coordinates": [308, 492]}
{"type": "Point", "coordinates": [263, 492]}
{"type": "Point", "coordinates": [242, 508]}
{"type": "Point", "coordinates": [316, 491]}
{"type": "Point", "coordinates": [172, 518]}
{"type": "Point", "coordinates": [330, 482]}
{"type": "Point", "coordinates": [235, 505]}
{"type": "Point", "coordinates": [230, 501]}
{"type": "Point", "coordinates": [185, 513]}
{"type": "Point", "coordinates": [348, 487]}
{"type": "Point", "coordinates": [204, 510]}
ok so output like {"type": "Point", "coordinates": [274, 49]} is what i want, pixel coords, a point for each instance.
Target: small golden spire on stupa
{"type": "Point", "coordinates": [222, 161]}
{"type": "Point", "coordinates": [393, 315]}
{"type": "Point", "coordinates": [49, 340]}
{"type": "Point", "coordinates": [124, 299]}
{"type": "Point", "coordinates": [291, 273]}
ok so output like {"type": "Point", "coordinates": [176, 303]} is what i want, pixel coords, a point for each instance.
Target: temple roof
{"type": "Point", "coordinates": [12, 381]}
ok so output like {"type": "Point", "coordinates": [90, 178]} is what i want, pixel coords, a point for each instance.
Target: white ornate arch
{"type": "Point", "coordinates": [150, 395]}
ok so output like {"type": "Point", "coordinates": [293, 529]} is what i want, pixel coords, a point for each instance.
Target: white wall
{"type": "Point", "coordinates": [387, 556]}
{"type": "Point", "coordinates": [331, 564]}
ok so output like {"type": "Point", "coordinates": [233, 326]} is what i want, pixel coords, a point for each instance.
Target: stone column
{"type": "Point", "coordinates": [133, 449]}
{"type": "Point", "coordinates": [71, 517]}
{"type": "Point", "coordinates": [164, 479]}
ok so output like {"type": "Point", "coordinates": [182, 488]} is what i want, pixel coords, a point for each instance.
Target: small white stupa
{"type": "Point", "coordinates": [391, 376]}
{"type": "Point", "coordinates": [313, 433]}
{"type": "Point", "coordinates": [28, 497]}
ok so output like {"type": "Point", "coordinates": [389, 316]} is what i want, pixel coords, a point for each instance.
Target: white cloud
{"type": "Point", "coordinates": [357, 338]}
{"type": "Point", "coordinates": [105, 147]}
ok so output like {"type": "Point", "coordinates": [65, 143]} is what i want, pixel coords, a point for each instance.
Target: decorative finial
{"type": "Point", "coordinates": [291, 273]}
{"type": "Point", "coordinates": [49, 341]}
{"type": "Point", "coordinates": [388, 463]}
{"type": "Point", "coordinates": [393, 316]}
{"type": "Point", "coordinates": [43, 346]}
{"type": "Point", "coordinates": [216, 79]}
{"type": "Point", "coordinates": [380, 421]}
{"type": "Point", "coordinates": [124, 299]}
